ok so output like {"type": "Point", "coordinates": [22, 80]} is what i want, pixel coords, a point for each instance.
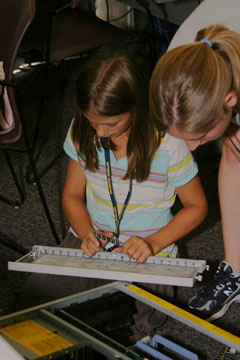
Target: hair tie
{"type": "Point", "coordinates": [207, 42]}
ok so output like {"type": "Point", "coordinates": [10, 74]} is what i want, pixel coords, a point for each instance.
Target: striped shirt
{"type": "Point", "coordinates": [149, 207]}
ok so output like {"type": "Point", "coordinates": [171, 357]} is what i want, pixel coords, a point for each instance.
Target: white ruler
{"type": "Point", "coordinates": [112, 266]}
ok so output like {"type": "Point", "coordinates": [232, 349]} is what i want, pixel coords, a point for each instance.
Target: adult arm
{"type": "Point", "coordinates": [229, 196]}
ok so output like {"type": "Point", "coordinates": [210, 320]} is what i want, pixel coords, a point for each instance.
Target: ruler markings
{"type": "Point", "coordinates": [114, 266]}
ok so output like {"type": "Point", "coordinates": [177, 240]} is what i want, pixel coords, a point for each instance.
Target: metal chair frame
{"type": "Point", "coordinates": [23, 16]}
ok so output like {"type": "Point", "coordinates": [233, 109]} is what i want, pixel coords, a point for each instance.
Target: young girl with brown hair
{"type": "Point", "coordinates": [112, 131]}
{"type": "Point", "coordinates": [122, 179]}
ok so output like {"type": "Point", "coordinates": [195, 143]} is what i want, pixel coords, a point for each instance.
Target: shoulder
{"type": "Point", "coordinates": [69, 146]}
{"type": "Point", "coordinates": [69, 137]}
{"type": "Point", "coordinates": [171, 144]}
{"type": "Point", "coordinates": [181, 164]}
{"type": "Point", "coordinates": [176, 151]}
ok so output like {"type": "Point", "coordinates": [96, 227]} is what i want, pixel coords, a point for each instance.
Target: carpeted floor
{"type": "Point", "coordinates": [28, 225]}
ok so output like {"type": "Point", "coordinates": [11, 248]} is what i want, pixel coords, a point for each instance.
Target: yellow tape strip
{"type": "Point", "coordinates": [163, 253]}
{"type": "Point", "coordinates": [35, 337]}
{"type": "Point", "coordinates": [184, 314]}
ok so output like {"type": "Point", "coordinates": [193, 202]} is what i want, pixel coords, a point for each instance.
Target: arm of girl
{"type": "Point", "coordinates": [73, 203]}
{"type": "Point", "coordinates": [191, 215]}
{"type": "Point", "coordinates": [229, 196]}
{"type": "Point", "coordinates": [188, 218]}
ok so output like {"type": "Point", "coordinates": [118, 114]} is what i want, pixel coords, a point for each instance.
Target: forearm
{"type": "Point", "coordinates": [229, 196]}
{"type": "Point", "coordinates": [186, 220]}
{"type": "Point", "coordinates": [77, 215]}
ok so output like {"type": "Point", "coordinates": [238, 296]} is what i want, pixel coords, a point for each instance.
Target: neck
{"type": "Point", "coordinates": [121, 140]}
{"type": "Point", "coordinates": [121, 144]}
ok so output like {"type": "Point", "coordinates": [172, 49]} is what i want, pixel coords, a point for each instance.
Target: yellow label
{"type": "Point", "coordinates": [35, 337]}
{"type": "Point", "coordinates": [184, 314]}
{"type": "Point", "coordinates": [161, 253]}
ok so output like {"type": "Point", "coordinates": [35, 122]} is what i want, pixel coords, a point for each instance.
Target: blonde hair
{"type": "Point", "coordinates": [190, 82]}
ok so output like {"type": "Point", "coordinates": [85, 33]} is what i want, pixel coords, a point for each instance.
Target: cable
{"type": "Point", "coordinates": [233, 144]}
{"type": "Point", "coordinates": [122, 16]}
{"type": "Point", "coordinates": [107, 8]}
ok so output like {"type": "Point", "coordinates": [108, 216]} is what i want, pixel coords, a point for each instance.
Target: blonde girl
{"type": "Point", "coordinates": [195, 96]}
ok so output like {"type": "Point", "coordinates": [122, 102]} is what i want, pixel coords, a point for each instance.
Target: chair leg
{"type": "Point", "coordinates": [4, 239]}
{"type": "Point", "coordinates": [43, 199]}
{"type": "Point", "coordinates": [29, 170]}
{"type": "Point", "coordinates": [15, 203]}
{"type": "Point", "coordinates": [41, 193]}
{"type": "Point", "coordinates": [35, 174]}
{"type": "Point", "coordinates": [12, 244]}
{"type": "Point", "coordinates": [38, 123]}
{"type": "Point", "coordinates": [40, 112]}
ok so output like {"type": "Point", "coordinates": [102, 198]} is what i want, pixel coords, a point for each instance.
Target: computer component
{"type": "Point", "coordinates": [110, 265]}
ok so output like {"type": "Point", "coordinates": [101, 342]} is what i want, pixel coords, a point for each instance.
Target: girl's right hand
{"type": "Point", "coordinates": [90, 245]}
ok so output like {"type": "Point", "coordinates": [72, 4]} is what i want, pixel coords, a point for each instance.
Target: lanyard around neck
{"type": "Point", "coordinates": [117, 217]}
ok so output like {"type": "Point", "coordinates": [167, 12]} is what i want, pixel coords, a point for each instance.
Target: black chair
{"type": "Point", "coordinates": [15, 18]}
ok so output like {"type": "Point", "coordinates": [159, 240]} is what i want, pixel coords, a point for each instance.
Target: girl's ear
{"type": "Point", "coordinates": [231, 99]}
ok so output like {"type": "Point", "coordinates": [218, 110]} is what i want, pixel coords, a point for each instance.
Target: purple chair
{"type": "Point", "coordinates": [15, 18]}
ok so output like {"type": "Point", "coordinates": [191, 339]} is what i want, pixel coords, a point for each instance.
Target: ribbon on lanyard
{"type": "Point", "coordinates": [117, 217]}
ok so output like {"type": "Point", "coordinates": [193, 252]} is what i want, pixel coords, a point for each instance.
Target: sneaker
{"type": "Point", "coordinates": [214, 300]}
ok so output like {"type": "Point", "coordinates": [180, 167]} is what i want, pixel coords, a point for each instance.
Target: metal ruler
{"type": "Point", "coordinates": [112, 266]}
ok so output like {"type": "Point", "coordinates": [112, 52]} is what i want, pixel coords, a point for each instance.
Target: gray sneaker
{"type": "Point", "coordinates": [214, 300]}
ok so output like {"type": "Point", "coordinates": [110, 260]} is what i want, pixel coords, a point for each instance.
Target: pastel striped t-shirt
{"type": "Point", "coordinates": [149, 207]}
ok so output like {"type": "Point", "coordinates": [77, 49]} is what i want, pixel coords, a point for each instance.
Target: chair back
{"type": "Point", "coordinates": [15, 17]}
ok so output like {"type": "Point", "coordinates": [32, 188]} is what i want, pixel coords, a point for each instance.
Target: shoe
{"type": "Point", "coordinates": [214, 300]}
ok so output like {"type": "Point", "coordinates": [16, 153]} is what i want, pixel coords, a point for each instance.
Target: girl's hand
{"type": "Point", "coordinates": [91, 245]}
{"type": "Point", "coordinates": [137, 248]}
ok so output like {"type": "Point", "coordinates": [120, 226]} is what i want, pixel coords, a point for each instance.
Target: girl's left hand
{"type": "Point", "coordinates": [137, 248]}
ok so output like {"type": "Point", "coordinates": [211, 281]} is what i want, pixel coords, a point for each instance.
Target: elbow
{"type": "Point", "coordinates": [203, 211]}
{"type": "Point", "coordinates": [64, 202]}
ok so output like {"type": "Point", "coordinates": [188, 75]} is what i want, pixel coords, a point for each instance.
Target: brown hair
{"type": "Point", "coordinates": [113, 84]}
{"type": "Point", "coordinates": [190, 82]}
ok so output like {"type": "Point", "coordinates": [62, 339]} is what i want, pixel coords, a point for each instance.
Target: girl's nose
{"type": "Point", "coordinates": [100, 131]}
